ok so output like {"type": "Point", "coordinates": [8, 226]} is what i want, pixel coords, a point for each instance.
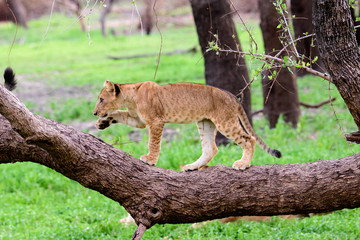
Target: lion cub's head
{"type": "Point", "coordinates": [108, 100]}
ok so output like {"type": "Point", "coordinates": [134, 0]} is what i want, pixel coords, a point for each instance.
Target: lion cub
{"type": "Point", "coordinates": [153, 105]}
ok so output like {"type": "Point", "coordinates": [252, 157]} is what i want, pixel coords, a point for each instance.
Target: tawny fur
{"type": "Point", "coordinates": [152, 105]}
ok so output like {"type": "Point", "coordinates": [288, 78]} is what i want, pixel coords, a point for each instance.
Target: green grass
{"type": "Point", "coordinates": [38, 203]}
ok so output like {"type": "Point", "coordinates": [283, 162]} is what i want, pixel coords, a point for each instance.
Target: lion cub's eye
{"type": "Point", "coordinates": [101, 100]}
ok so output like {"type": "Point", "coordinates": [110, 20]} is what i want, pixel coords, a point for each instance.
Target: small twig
{"type": "Point", "coordinates": [302, 104]}
{"type": "Point", "coordinates": [257, 112]}
{"type": "Point", "coordinates": [123, 143]}
{"type": "Point", "coordinates": [249, 83]}
{"type": "Point", "coordinates": [337, 120]}
{"type": "Point", "coordinates": [161, 39]}
{"type": "Point", "coordinates": [291, 43]}
{"type": "Point", "coordinates": [243, 23]}
{"type": "Point", "coordinates": [317, 105]}
{"type": "Point", "coordinates": [271, 86]}
{"type": "Point", "coordinates": [287, 28]}
{"type": "Point", "coordinates": [301, 38]}
{"type": "Point", "coordinates": [48, 26]}
{"type": "Point", "coordinates": [138, 13]}
{"type": "Point", "coordinates": [16, 24]}
{"type": "Point", "coordinates": [82, 15]}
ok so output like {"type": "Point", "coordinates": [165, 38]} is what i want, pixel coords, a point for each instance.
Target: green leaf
{"type": "Point", "coordinates": [286, 60]}
{"type": "Point", "coordinates": [274, 73]}
{"type": "Point", "coordinates": [315, 59]}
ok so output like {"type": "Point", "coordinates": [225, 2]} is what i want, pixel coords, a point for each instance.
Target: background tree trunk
{"type": "Point", "coordinates": [356, 23]}
{"type": "Point", "coordinates": [78, 11]}
{"type": "Point", "coordinates": [156, 196]}
{"type": "Point", "coordinates": [302, 9]}
{"type": "Point", "coordinates": [224, 71]}
{"type": "Point", "coordinates": [104, 13]}
{"type": "Point", "coordinates": [18, 9]}
{"type": "Point", "coordinates": [147, 16]}
{"type": "Point", "coordinates": [336, 38]}
{"type": "Point", "coordinates": [280, 95]}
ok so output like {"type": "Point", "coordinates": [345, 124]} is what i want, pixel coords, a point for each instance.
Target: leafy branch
{"type": "Point", "coordinates": [277, 62]}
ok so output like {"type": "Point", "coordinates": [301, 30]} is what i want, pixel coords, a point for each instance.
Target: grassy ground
{"type": "Point", "coordinates": [61, 80]}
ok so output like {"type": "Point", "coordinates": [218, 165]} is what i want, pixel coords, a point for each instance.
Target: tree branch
{"type": "Point", "coordinates": [156, 196]}
{"type": "Point", "coordinates": [265, 58]}
{"type": "Point", "coordinates": [139, 232]}
{"type": "Point", "coordinates": [353, 137]}
{"type": "Point", "coordinates": [307, 105]}
{"type": "Point", "coordinates": [176, 51]}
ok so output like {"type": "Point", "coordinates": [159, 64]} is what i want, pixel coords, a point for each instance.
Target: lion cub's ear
{"type": "Point", "coordinates": [111, 87]}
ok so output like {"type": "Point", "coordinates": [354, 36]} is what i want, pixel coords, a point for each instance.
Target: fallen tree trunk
{"type": "Point", "coordinates": [156, 196]}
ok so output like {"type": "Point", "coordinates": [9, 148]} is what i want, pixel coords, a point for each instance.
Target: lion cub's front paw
{"type": "Point", "coordinates": [190, 167]}
{"type": "Point", "coordinates": [147, 159]}
{"type": "Point", "coordinates": [102, 124]}
{"type": "Point", "coordinates": [241, 165]}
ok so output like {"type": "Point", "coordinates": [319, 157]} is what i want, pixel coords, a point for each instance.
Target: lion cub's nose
{"type": "Point", "coordinates": [95, 113]}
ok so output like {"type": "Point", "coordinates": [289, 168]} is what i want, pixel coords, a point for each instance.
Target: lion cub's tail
{"type": "Point", "coordinates": [246, 124]}
{"type": "Point", "coordinates": [9, 76]}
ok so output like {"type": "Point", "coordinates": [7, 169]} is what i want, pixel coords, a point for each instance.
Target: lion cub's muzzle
{"type": "Point", "coordinates": [96, 113]}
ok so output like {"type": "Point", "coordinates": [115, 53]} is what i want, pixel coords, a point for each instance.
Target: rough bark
{"type": "Point", "coordinates": [302, 23]}
{"type": "Point", "coordinates": [280, 95]}
{"type": "Point", "coordinates": [157, 196]}
{"type": "Point", "coordinates": [336, 38]}
{"type": "Point", "coordinates": [225, 71]}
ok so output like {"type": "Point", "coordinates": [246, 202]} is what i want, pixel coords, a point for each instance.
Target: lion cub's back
{"type": "Point", "coordinates": [189, 102]}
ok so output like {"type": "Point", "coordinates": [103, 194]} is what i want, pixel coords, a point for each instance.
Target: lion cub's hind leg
{"type": "Point", "coordinates": [207, 131]}
{"type": "Point", "coordinates": [234, 131]}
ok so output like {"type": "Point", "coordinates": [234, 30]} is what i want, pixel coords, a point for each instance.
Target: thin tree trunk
{"type": "Point", "coordinates": [19, 11]}
{"type": "Point", "coordinates": [104, 13]}
{"type": "Point", "coordinates": [302, 23]}
{"type": "Point", "coordinates": [156, 196]}
{"type": "Point", "coordinates": [147, 16]}
{"type": "Point", "coordinates": [225, 71]}
{"type": "Point", "coordinates": [78, 12]}
{"type": "Point", "coordinates": [336, 38]}
{"type": "Point", "coordinates": [280, 95]}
